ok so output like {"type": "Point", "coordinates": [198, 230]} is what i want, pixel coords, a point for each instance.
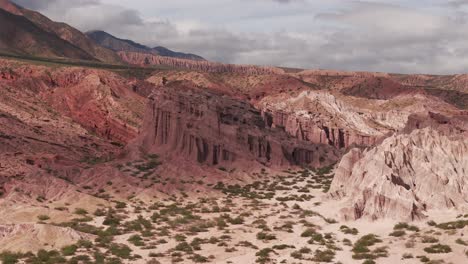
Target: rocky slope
{"type": "Point", "coordinates": [27, 32]}
{"type": "Point", "coordinates": [34, 236]}
{"type": "Point", "coordinates": [116, 44]}
{"type": "Point", "coordinates": [372, 85]}
{"type": "Point", "coordinates": [101, 101]}
{"type": "Point", "coordinates": [408, 174]}
{"type": "Point", "coordinates": [19, 35]}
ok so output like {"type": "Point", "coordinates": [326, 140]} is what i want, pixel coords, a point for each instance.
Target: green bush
{"type": "Point", "coordinates": [309, 232]}
{"type": "Point", "coordinates": [438, 248]}
{"type": "Point", "coordinates": [398, 233]}
{"type": "Point", "coordinates": [136, 240]}
{"type": "Point", "coordinates": [69, 250]}
{"type": "Point", "coordinates": [8, 257]}
{"type": "Point", "coordinates": [265, 236]}
{"type": "Point", "coordinates": [263, 256]}
{"type": "Point", "coordinates": [80, 211]}
{"type": "Point", "coordinates": [120, 250]}
{"type": "Point", "coordinates": [43, 217]}
{"type": "Point", "coordinates": [324, 256]}
{"type": "Point", "coordinates": [184, 247]}
{"type": "Point", "coordinates": [199, 258]}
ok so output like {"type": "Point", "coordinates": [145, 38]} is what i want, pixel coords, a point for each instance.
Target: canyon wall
{"type": "Point", "coordinates": [215, 130]}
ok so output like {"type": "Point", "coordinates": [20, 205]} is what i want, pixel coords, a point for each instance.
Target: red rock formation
{"type": "Point", "coordinates": [143, 59]}
{"type": "Point", "coordinates": [101, 101]}
{"type": "Point", "coordinates": [215, 130]}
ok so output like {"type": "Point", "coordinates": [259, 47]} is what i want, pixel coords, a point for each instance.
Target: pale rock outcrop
{"type": "Point", "coordinates": [405, 176]}
{"type": "Point", "coordinates": [32, 237]}
{"type": "Point", "coordinates": [320, 117]}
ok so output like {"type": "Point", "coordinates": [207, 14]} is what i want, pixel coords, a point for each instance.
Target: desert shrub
{"type": "Point", "coordinates": [246, 244]}
{"type": "Point", "coordinates": [453, 225]}
{"type": "Point", "coordinates": [84, 243]}
{"type": "Point", "coordinates": [8, 257]}
{"type": "Point", "coordinates": [398, 233]}
{"type": "Point", "coordinates": [184, 247]}
{"type": "Point", "coordinates": [309, 232]}
{"type": "Point", "coordinates": [361, 248]}
{"type": "Point", "coordinates": [80, 259]}
{"type": "Point", "coordinates": [324, 256]}
{"type": "Point", "coordinates": [136, 240]}
{"type": "Point", "coordinates": [120, 205]}
{"type": "Point", "coordinates": [100, 212]}
{"type": "Point", "coordinates": [297, 255]}
{"type": "Point", "coordinates": [461, 242]}
{"type": "Point", "coordinates": [69, 250]}
{"type": "Point", "coordinates": [265, 236]}
{"type": "Point", "coordinates": [120, 250]}
{"type": "Point", "coordinates": [282, 246]}
{"type": "Point", "coordinates": [438, 248]}
{"type": "Point", "coordinates": [401, 226]}
{"type": "Point", "coordinates": [263, 256]}
{"type": "Point", "coordinates": [347, 230]}
{"type": "Point", "coordinates": [423, 259]}
{"type": "Point", "coordinates": [44, 256]}
{"type": "Point", "coordinates": [429, 239]}
{"type": "Point", "coordinates": [347, 242]}
{"type": "Point", "coordinates": [80, 211]}
{"type": "Point", "coordinates": [43, 217]}
{"type": "Point", "coordinates": [199, 258]}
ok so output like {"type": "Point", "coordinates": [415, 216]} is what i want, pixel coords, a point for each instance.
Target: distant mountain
{"type": "Point", "coordinates": [117, 44]}
{"type": "Point", "coordinates": [18, 35]}
{"type": "Point", "coordinates": [31, 33]}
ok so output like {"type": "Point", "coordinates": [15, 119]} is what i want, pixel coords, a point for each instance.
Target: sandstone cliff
{"type": "Point", "coordinates": [215, 130]}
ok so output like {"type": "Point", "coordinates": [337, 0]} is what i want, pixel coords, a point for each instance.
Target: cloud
{"type": "Point", "coordinates": [457, 3]}
{"type": "Point", "coordinates": [43, 4]}
{"type": "Point", "coordinates": [345, 35]}
{"type": "Point", "coordinates": [286, 1]}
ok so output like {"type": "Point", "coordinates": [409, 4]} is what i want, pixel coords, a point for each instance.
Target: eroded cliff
{"type": "Point", "coordinates": [408, 174]}
{"type": "Point", "coordinates": [216, 130]}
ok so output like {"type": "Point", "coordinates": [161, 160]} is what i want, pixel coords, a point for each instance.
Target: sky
{"type": "Point", "coordinates": [411, 36]}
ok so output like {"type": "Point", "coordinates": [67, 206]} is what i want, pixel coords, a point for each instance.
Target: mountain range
{"type": "Point", "coordinates": [27, 32]}
{"type": "Point", "coordinates": [116, 44]}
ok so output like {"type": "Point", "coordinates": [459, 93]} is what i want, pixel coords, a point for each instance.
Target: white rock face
{"type": "Point", "coordinates": [405, 176]}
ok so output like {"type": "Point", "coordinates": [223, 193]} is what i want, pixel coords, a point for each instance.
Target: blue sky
{"type": "Point", "coordinates": [413, 36]}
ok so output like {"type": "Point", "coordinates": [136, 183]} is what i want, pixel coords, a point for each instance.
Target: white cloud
{"type": "Point", "coordinates": [382, 35]}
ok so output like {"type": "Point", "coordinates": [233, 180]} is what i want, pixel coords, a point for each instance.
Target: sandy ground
{"type": "Point", "coordinates": [233, 242]}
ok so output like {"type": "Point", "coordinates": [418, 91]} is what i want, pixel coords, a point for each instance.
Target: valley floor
{"type": "Point", "coordinates": [282, 218]}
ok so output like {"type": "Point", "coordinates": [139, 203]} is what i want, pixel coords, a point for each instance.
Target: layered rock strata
{"type": "Point", "coordinates": [216, 130]}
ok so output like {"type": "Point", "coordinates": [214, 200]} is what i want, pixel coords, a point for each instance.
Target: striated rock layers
{"type": "Point", "coordinates": [321, 117]}
{"type": "Point", "coordinates": [144, 59]}
{"type": "Point", "coordinates": [216, 130]}
{"type": "Point", "coordinates": [101, 101]}
{"type": "Point", "coordinates": [406, 175]}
